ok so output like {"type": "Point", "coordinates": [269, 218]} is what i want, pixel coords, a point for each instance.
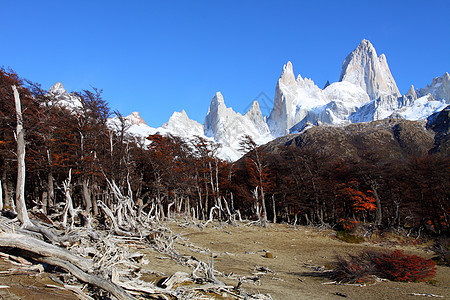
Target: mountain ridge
{"type": "Point", "coordinates": [366, 91]}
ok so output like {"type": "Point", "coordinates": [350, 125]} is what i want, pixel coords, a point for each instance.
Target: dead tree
{"type": "Point", "coordinates": [1, 196]}
{"type": "Point", "coordinates": [22, 213]}
{"type": "Point", "coordinates": [68, 208]}
{"type": "Point", "coordinates": [258, 171]}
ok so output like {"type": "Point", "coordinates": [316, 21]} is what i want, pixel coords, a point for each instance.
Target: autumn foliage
{"type": "Point", "coordinates": [395, 266]}
{"type": "Point", "coordinates": [303, 185]}
{"type": "Point", "coordinates": [398, 266]}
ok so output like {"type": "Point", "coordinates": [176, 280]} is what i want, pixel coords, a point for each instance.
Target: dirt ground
{"type": "Point", "coordinates": [31, 286]}
{"type": "Point", "coordinates": [297, 252]}
{"type": "Point", "coordinates": [241, 251]}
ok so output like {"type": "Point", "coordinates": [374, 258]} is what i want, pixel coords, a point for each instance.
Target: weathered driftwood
{"type": "Point", "coordinates": [53, 255]}
{"type": "Point", "coordinates": [115, 224]}
{"type": "Point", "coordinates": [41, 248]}
{"type": "Point", "coordinates": [78, 291]}
{"type": "Point", "coordinates": [91, 279]}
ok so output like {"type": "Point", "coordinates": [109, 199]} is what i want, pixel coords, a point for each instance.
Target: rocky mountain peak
{"type": "Point", "coordinates": [364, 68]}
{"type": "Point", "coordinates": [218, 98]}
{"type": "Point", "coordinates": [287, 74]}
{"type": "Point", "coordinates": [63, 98]}
{"type": "Point", "coordinates": [439, 88]}
{"type": "Point", "coordinates": [179, 124]}
{"type": "Point", "coordinates": [58, 86]}
{"type": "Point", "coordinates": [411, 93]}
{"type": "Point", "coordinates": [256, 117]}
{"type": "Point", "coordinates": [254, 109]}
{"type": "Point", "coordinates": [135, 119]}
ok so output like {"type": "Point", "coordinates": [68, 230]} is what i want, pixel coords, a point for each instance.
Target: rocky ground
{"type": "Point", "coordinates": [292, 270]}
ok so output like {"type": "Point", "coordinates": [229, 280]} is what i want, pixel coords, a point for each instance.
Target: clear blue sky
{"type": "Point", "coordinates": [157, 57]}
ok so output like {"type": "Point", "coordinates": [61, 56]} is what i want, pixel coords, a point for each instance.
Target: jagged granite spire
{"type": "Point", "coordinates": [364, 68]}
{"type": "Point", "coordinates": [411, 93]}
{"type": "Point", "coordinates": [279, 120]}
{"type": "Point", "coordinates": [439, 88]}
{"type": "Point", "coordinates": [256, 117]}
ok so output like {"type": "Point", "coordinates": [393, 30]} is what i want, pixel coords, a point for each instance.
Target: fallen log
{"type": "Point", "coordinates": [53, 255]}
{"type": "Point", "coordinates": [42, 248]}
{"type": "Point", "coordinates": [88, 278]}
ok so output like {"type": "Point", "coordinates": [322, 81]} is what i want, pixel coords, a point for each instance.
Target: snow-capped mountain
{"type": "Point", "coordinates": [63, 97]}
{"type": "Point", "coordinates": [420, 109]}
{"type": "Point", "coordinates": [365, 92]}
{"type": "Point", "coordinates": [294, 98]}
{"type": "Point", "coordinates": [300, 101]}
{"type": "Point", "coordinates": [179, 124]}
{"type": "Point", "coordinates": [439, 88]}
{"type": "Point", "coordinates": [365, 69]}
{"type": "Point", "coordinates": [227, 127]}
{"type": "Point", "coordinates": [134, 127]}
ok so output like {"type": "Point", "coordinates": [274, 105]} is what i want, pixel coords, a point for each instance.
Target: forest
{"type": "Point", "coordinates": [173, 176]}
{"type": "Point", "coordinates": [78, 192]}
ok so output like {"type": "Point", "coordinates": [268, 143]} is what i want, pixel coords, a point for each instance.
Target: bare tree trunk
{"type": "Point", "coordinates": [50, 188]}
{"type": "Point", "coordinates": [263, 201]}
{"type": "Point", "coordinates": [1, 196]}
{"type": "Point", "coordinates": [86, 196]}
{"type": "Point", "coordinates": [94, 203]}
{"type": "Point", "coordinates": [161, 208]}
{"type": "Point", "coordinates": [378, 213]}
{"type": "Point", "coordinates": [256, 203]}
{"type": "Point", "coordinates": [22, 213]}
{"type": "Point", "coordinates": [44, 200]}
{"type": "Point", "coordinates": [168, 209]}
{"type": "Point", "coordinates": [6, 199]}
{"type": "Point", "coordinates": [50, 254]}
{"type": "Point", "coordinates": [206, 200]}
{"type": "Point", "coordinates": [68, 208]}
{"type": "Point", "coordinates": [274, 210]}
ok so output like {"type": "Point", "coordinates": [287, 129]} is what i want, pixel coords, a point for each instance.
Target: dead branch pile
{"type": "Point", "coordinates": [100, 254]}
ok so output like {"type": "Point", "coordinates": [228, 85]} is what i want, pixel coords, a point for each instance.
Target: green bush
{"type": "Point", "coordinates": [348, 237]}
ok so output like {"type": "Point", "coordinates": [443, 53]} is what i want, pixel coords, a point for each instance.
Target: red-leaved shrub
{"type": "Point", "coordinates": [398, 266]}
{"type": "Point", "coordinates": [395, 266]}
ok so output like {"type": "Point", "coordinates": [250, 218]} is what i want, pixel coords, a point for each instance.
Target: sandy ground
{"type": "Point", "coordinates": [26, 286]}
{"type": "Point", "coordinates": [241, 250]}
{"type": "Point", "coordinates": [297, 251]}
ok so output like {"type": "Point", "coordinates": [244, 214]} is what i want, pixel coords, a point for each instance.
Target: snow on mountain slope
{"type": "Point", "coordinates": [293, 100]}
{"type": "Point", "coordinates": [228, 127]}
{"type": "Point", "coordinates": [421, 108]}
{"type": "Point", "coordinates": [63, 97]}
{"type": "Point", "coordinates": [179, 124]}
{"type": "Point", "coordinates": [135, 127]}
{"type": "Point", "coordinates": [258, 120]}
{"type": "Point", "coordinates": [439, 88]}
{"type": "Point", "coordinates": [365, 92]}
{"type": "Point", "coordinates": [364, 68]}
{"type": "Point", "coordinates": [300, 101]}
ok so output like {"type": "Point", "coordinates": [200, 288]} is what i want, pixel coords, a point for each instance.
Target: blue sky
{"type": "Point", "coordinates": [157, 57]}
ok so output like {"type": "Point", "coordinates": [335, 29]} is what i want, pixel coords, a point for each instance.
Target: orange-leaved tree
{"type": "Point", "coordinates": [354, 201]}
